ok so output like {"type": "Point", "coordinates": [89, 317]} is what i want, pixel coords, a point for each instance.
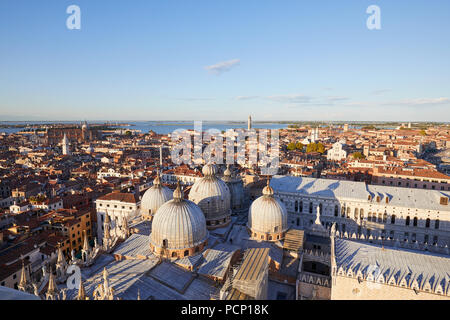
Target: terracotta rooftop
{"type": "Point", "coordinates": [122, 197]}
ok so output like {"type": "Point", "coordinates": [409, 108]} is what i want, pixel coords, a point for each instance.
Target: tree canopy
{"type": "Point", "coordinates": [358, 155]}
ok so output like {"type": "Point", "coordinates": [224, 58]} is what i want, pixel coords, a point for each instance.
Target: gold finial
{"type": "Point", "coordinates": [268, 191]}
{"type": "Point", "coordinates": [177, 194]}
{"type": "Point", "coordinates": [157, 180]}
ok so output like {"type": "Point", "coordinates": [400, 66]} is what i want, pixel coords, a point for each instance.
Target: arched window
{"type": "Point", "coordinates": [301, 206]}
{"type": "Point", "coordinates": [343, 211]}
{"type": "Point", "coordinates": [385, 217]}
{"type": "Point", "coordinates": [427, 223]}
{"type": "Point", "coordinates": [296, 206]}
{"type": "Point", "coordinates": [355, 214]}
{"type": "Point", "coordinates": [336, 210]}
{"type": "Point", "coordinates": [348, 212]}
{"type": "Point", "coordinates": [435, 240]}
{"type": "Point", "coordinates": [164, 243]}
{"type": "Point", "coordinates": [369, 216]}
{"type": "Point", "coordinates": [186, 253]}
{"type": "Point", "coordinates": [436, 224]}
{"type": "Point", "coordinates": [320, 208]}
{"type": "Point", "coordinates": [361, 213]}
{"type": "Point", "coordinates": [380, 219]}
{"type": "Point", "coordinates": [407, 221]}
{"type": "Point", "coordinates": [393, 219]}
{"type": "Point", "coordinates": [174, 254]}
{"type": "Point", "coordinates": [310, 207]}
{"type": "Point", "coordinates": [415, 222]}
{"type": "Point", "coordinates": [270, 237]}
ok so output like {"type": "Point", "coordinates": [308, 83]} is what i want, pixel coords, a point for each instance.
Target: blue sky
{"type": "Point", "coordinates": [224, 60]}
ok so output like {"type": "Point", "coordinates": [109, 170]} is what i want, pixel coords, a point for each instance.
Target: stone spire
{"type": "Point", "coordinates": [86, 246]}
{"type": "Point", "coordinates": [317, 226]}
{"type": "Point", "coordinates": [86, 249]}
{"type": "Point", "coordinates": [105, 279]}
{"type": "Point", "coordinates": [60, 259]}
{"type": "Point", "coordinates": [81, 291]}
{"type": "Point", "coordinates": [61, 266]}
{"type": "Point", "coordinates": [23, 284]}
{"type": "Point", "coordinates": [106, 227]}
{"type": "Point", "coordinates": [125, 229]}
{"type": "Point", "coordinates": [318, 216]}
{"type": "Point", "coordinates": [52, 291]}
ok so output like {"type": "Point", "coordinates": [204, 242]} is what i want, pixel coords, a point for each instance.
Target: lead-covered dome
{"type": "Point", "coordinates": [212, 195]}
{"type": "Point", "coordinates": [178, 228]}
{"type": "Point", "coordinates": [155, 197]}
{"type": "Point", "coordinates": [267, 217]}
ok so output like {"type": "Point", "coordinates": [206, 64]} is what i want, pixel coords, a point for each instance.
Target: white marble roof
{"type": "Point", "coordinates": [136, 244]}
{"type": "Point", "coordinates": [217, 260]}
{"type": "Point", "coordinates": [348, 190]}
{"type": "Point", "coordinates": [400, 263]}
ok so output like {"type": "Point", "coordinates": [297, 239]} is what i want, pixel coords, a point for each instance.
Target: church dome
{"type": "Point", "coordinates": [267, 217]}
{"type": "Point", "coordinates": [155, 197]}
{"type": "Point", "coordinates": [178, 228]}
{"type": "Point", "coordinates": [213, 196]}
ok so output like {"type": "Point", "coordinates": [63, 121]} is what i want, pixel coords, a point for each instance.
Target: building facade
{"type": "Point", "coordinates": [403, 214]}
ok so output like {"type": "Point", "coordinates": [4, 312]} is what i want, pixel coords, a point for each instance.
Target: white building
{"type": "Point", "coordinates": [337, 152]}
{"type": "Point", "coordinates": [117, 206]}
{"type": "Point", "coordinates": [418, 217]}
{"type": "Point", "coordinates": [65, 146]}
{"type": "Point", "coordinates": [111, 172]}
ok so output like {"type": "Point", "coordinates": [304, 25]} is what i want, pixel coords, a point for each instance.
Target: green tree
{"type": "Point", "coordinates": [299, 146]}
{"type": "Point", "coordinates": [312, 147]}
{"type": "Point", "coordinates": [291, 146]}
{"type": "Point", "coordinates": [320, 148]}
{"type": "Point", "coordinates": [358, 155]}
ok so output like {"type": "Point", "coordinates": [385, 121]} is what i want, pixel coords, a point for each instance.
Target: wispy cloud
{"type": "Point", "coordinates": [336, 98]}
{"type": "Point", "coordinates": [195, 99]}
{"type": "Point", "coordinates": [223, 66]}
{"type": "Point", "coordinates": [291, 98]}
{"type": "Point", "coordinates": [246, 97]}
{"type": "Point", "coordinates": [422, 101]}
{"type": "Point", "coordinates": [380, 92]}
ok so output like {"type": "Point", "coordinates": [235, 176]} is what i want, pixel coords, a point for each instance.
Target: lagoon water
{"type": "Point", "coordinates": [160, 127]}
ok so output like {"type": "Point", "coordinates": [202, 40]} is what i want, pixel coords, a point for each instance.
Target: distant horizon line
{"type": "Point", "coordinates": [240, 121]}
